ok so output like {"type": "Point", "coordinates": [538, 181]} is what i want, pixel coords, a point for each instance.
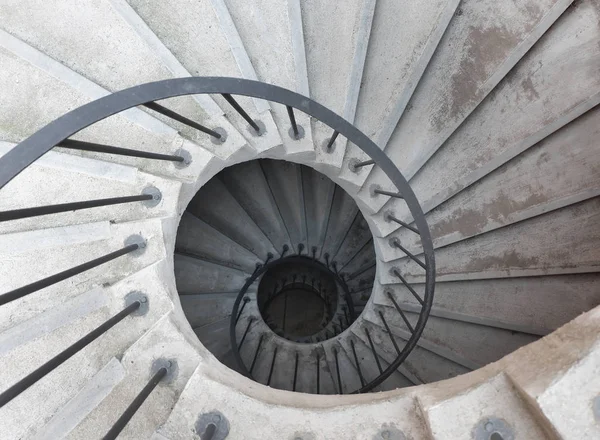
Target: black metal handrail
{"type": "Point", "coordinates": [58, 131]}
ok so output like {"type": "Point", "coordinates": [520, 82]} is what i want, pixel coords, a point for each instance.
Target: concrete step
{"type": "Point", "coordinates": [336, 38]}
{"type": "Point", "coordinates": [451, 88]}
{"type": "Point", "coordinates": [163, 342]}
{"type": "Point", "coordinates": [248, 184]}
{"type": "Point", "coordinates": [217, 207]}
{"type": "Point", "coordinates": [392, 70]}
{"type": "Point", "coordinates": [215, 336]}
{"type": "Point", "coordinates": [342, 214]}
{"type": "Point", "coordinates": [337, 360]}
{"type": "Point", "coordinates": [203, 394]}
{"type": "Point", "coordinates": [222, 54]}
{"type": "Point", "coordinates": [63, 34]}
{"type": "Point", "coordinates": [34, 255]}
{"type": "Point", "coordinates": [89, 396]}
{"type": "Point", "coordinates": [522, 249]}
{"type": "Point", "coordinates": [361, 260]}
{"type": "Point", "coordinates": [478, 343]}
{"type": "Point", "coordinates": [30, 342]}
{"type": "Point", "coordinates": [357, 238]}
{"type": "Point", "coordinates": [272, 35]}
{"type": "Point", "coordinates": [206, 308]}
{"type": "Point", "coordinates": [551, 175]}
{"type": "Point", "coordinates": [318, 192]}
{"type": "Point", "coordinates": [367, 367]}
{"type": "Point", "coordinates": [422, 365]}
{"type": "Point", "coordinates": [493, 405]}
{"type": "Point", "coordinates": [502, 128]}
{"type": "Point", "coordinates": [28, 109]}
{"type": "Point", "coordinates": [533, 305]}
{"type": "Point", "coordinates": [285, 183]}
{"type": "Point", "coordinates": [197, 238]}
{"type": "Point", "coordinates": [97, 179]}
{"type": "Point", "coordinates": [196, 275]}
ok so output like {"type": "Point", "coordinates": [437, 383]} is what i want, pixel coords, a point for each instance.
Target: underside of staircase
{"type": "Point", "coordinates": [368, 219]}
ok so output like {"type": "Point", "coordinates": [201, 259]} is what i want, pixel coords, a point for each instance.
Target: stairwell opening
{"type": "Point", "coordinates": [296, 253]}
{"type": "Point", "coordinates": [298, 299]}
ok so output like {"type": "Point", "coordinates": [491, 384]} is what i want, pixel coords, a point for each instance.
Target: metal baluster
{"type": "Point", "coordinates": [401, 223]}
{"type": "Point", "coordinates": [53, 279]}
{"type": "Point", "coordinates": [290, 112]}
{"type": "Point", "coordinates": [295, 373]}
{"type": "Point", "coordinates": [285, 298]}
{"type": "Point", "coordinates": [72, 144]}
{"type": "Point", "coordinates": [272, 366]}
{"type": "Point", "coordinates": [391, 297]}
{"type": "Point", "coordinates": [120, 424]}
{"type": "Point", "coordinates": [241, 111]}
{"type": "Point", "coordinates": [257, 268]}
{"type": "Point", "coordinates": [16, 214]}
{"type": "Point", "coordinates": [362, 164]}
{"type": "Point", "coordinates": [285, 249]}
{"type": "Point", "coordinates": [327, 260]}
{"type": "Point", "coordinates": [256, 353]}
{"type": "Point", "coordinates": [171, 114]}
{"type": "Point", "coordinates": [337, 367]}
{"type": "Point", "coordinates": [269, 258]}
{"type": "Point", "coordinates": [300, 248]}
{"type": "Point", "coordinates": [250, 321]}
{"type": "Point", "coordinates": [57, 360]}
{"type": "Point", "coordinates": [332, 140]}
{"type": "Point", "coordinates": [387, 328]}
{"type": "Point", "coordinates": [387, 193]}
{"type": "Point", "coordinates": [408, 286]}
{"type": "Point", "coordinates": [362, 379]}
{"type": "Point", "coordinates": [396, 243]}
{"type": "Point", "coordinates": [373, 350]}
{"type": "Point", "coordinates": [318, 373]}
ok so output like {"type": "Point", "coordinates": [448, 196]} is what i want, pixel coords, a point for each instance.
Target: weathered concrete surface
{"type": "Point", "coordinates": [113, 56]}
{"type": "Point", "coordinates": [538, 246]}
{"type": "Point", "coordinates": [181, 28]}
{"type": "Point", "coordinates": [336, 38]}
{"type": "Point", "coordinates": [272, 33]}
{"type": "Point", "coordinates": [284, 181]}
{"type": "Point", "coordinates": [216, 206]}
{"type": "Point", "coordinates": [529, 104]}
{"type": "Point", "coordinates": [479, 48]}
{"type": "Point", "coordinates": [536, 305]}
{"type": "Point", "coordinates": [73, 375]}
{"type": "Point", "coordinates": [392, 71]}
{"type": "Point", "coordinates": [557, 172]}
{"type": "Point", "coordinates": [196, 238]}
{"type": "Point", "coordinates": [163, 341]}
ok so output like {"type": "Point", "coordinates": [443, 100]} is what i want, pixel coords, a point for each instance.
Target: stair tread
{"type": "Point", "coordinates": [457, 87]}
{"type": "Point", "coordinates": [385, 91]}
{"type": "Point", "coordinates": [501, 129]}
{"type": "Point", "coordinates": [222, 54]}
{"type": "Point", "coordinates": [271, 33]}
{"type": "Point", "coordinates": [521, 249]}
{"type": "Point", "coordinates": [336, 38]}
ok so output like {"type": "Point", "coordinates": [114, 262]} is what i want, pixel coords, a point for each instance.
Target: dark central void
{"type": "Point", "coordinates": [298, 299]}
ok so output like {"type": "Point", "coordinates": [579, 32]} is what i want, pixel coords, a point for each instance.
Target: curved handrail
{"type": "Point", "coordinates": [26, 152]}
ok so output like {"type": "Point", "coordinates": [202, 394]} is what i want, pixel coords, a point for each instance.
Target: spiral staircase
{"type": "Point", "coordinates": [226, 219]}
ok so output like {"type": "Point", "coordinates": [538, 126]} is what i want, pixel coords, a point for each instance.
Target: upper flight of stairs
{"type": "Point", "coordinates": [489, 109]}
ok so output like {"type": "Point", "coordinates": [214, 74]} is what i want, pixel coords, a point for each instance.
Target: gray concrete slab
{"type": "Point", "coordinates": [522, 249]}
{"type": "Point", "coordinates": [490, 35]}
{"type": "Point", "coordinates": [271, 33]}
